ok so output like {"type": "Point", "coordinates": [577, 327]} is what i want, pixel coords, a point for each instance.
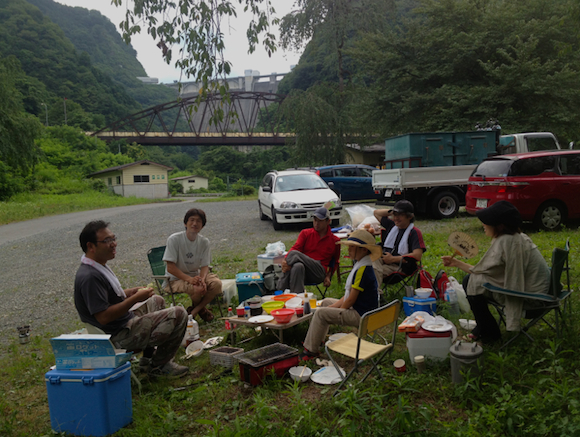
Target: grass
{"type": "Point", "coordinates": [528, 389]}
{"type": "Point", "coordinates": [29, 206]}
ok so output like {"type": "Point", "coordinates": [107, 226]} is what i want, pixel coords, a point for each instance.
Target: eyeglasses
{"type": "Point", "coordinates": [108, 240]}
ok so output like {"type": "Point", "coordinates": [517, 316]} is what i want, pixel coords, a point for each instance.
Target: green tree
{"type": "Point", "coordinates": [452, 63]}
{"type": "Point", "coordinates": [18, 130]}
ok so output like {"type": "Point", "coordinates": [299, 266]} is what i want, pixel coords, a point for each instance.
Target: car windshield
{"type": "Point", "coordinates": [299, 182]}
{"type": "Point", "coordinates": [493, 168]}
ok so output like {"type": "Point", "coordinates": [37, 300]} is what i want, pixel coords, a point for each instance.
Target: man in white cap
{"type": "Point", "coordinates": [403, 245]}
{"type": "Point", "coordinates": [361, 293]}
{"type": "Point", "coordinates": [314, 256]}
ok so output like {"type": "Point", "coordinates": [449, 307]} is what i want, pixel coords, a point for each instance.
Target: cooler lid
{"type": "Point", "coordinates": [462, 349]}
{"type": "Point", "coordinates": [417, 300]}
{"type": "Point", "coordinates": [250, 277]}
{"type": "Point", "coordinates": [423, 333]}
{"type": "Point", "coordinates": [77, 375]}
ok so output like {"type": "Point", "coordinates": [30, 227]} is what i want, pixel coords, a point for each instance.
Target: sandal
{"type": "Point", "coordinates": [307, 355]}
{"type": "Point", "coordinates": [206, 315]}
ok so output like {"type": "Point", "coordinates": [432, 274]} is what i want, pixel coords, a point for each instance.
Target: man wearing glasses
{"type": "Point", "coordinates": [135, 317]}
{"type": "Point", "coordinates": [403, 244]}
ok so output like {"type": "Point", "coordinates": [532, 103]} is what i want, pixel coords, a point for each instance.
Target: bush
{"type": "Point", "coordinates": [242, 190]}
{"type": "Point", "coordinates": [217, 185]}
{"type": "Point", "coordinates": [197, 190]}
{"type": "Point", "coordinates": [9, 183]}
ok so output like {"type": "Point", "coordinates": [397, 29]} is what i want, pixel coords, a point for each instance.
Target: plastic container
{"type": "Point", "coordinates": [412, 304]}
{"type": "Point", "coordinates": [423, 293]}
{"type": "Point", "coordinates": [432, 345]}
{"type": "Point", "coordinates": [273, 305]}
{"type": "Point", "coordinates": [283, 315]}
{"type": "Point", "coordinates": [247, 312]}
{"type": "Point", "coordinates": [465, 357]}
{"type": "Point", "coordinates": [451, 297]}
{"type": "Point", "coordinates": [224, 356]}
{"type": "Point", "coordinates": [90, 402]}
{"type": "Point", "coordinates": [420, 363]}
{"type": "Point", "coordinates": [284, 297]}
{"type": "Point", "coordinates": [294, 303]}
{"type": "Point", "coordinates": [265, 260]}
{"type": "Point", "coordinates": [249, 285]}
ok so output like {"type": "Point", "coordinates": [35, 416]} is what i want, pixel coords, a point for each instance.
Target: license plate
{"type": "Point", "coordinates": [388, 193]}
{"type": "Point", "coordinates": [481, 203]}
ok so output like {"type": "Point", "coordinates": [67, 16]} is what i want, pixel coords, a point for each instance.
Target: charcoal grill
{"type": "Point", "coordinates": [254, 365]}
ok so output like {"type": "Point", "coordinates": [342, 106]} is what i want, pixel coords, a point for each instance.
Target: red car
{"type": "Point", "coordinates": [544, 186]}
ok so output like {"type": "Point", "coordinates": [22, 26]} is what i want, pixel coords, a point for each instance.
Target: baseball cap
{"type": "Point", "coordinates": [321, 214]}
{"type": "Point", "coordinates": [404, 206]}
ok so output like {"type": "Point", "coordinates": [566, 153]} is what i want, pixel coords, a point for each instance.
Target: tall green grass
{"type": "Point", "coordinates": [26, 206]}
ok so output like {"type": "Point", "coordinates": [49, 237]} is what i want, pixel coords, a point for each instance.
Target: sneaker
{"type": "Point", "coordinates": [144, 364]}
{"type": "Point", "coordinates": [307, 355]}
{"type": "Point", "coordinates": [169, 369]}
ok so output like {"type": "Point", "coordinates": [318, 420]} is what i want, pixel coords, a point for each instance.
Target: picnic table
{"type": "Point", "coordinates": [277, 328]}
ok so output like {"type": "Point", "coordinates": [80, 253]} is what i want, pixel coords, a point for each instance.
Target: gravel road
{"type": "Point", "coordinates": [39, 258]}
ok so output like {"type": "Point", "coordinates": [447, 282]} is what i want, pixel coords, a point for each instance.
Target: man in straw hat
{"type": "Point", "coordinates": [361, 293]}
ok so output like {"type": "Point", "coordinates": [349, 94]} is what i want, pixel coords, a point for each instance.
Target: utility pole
{"type": "Point", "coordinates": [46, 111]}
{"type": "Point", "coordinates": [65, 121]}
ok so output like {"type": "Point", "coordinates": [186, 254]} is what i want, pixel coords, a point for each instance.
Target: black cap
{"type": "Point", "coordinates": [404, 206]}
{"type": "Point", "coordinates": [501, 212]}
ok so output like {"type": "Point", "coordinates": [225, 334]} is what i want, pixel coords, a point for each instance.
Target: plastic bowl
{"type": "Point", "coordinates": [295, 302]}
{"type": "Point", "coordinates": [272, 305]}
{"type": "Point", "coordinates": [282, 315]}
{"type": "Point", "coordinates": [195, 348]}
{"type": "Point", "coordinates": [296, 371]}
{"type": "Point", "coordinates": [423, 293]}
{"type": "Point", "coordinates": [284, 297]}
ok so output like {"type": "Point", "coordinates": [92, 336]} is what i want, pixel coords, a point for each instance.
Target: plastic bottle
{"type": "Point", "coordinates": [192, 331]}
{"type": "Point", "coordinates": [247, 311]}
{"type": "Point", "coordinates": [229, 326]}
{"type": "Point", "coordinates": [306, 307]}
{"type": "Point", "coordinates": [451, 297]}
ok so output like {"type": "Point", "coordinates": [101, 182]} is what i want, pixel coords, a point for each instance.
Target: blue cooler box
{"type": "Point", "coordinates": [412, 304]}
{"type": "Point", "coordinates": [249, 285]}
{"type": "Point", "coordinates": [90, 402]}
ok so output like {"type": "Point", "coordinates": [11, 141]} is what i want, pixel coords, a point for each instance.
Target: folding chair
{"type": "Point", "coordinates": [554, 298]}
{"type": "Point", "coordinates": [155, 257]}
{"type": "Point", "coordinates": [400, 280]}
{"type": "Point", "coordinates": [323, 293]}
{"type": "Point", "coordinates": [358, 348]}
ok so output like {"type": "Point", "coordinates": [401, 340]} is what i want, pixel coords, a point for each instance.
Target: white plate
{"type": "Point", "coordinates": [261, 319]}
{"type": "Point", "coordinates": [327, 375]}
{"type": "Point", "coordinates": [437, 326]}
{"type": "Point", "coordinates": [334, 337]}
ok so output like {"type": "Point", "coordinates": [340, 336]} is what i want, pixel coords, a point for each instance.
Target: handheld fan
{"type": "Point", "coordinates": [462, 245]}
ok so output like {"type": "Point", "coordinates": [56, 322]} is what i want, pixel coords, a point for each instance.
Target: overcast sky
{"type": "Point", "coordinates": [236, 44]}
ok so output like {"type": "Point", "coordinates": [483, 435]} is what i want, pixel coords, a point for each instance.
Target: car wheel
{"type": "Point", "coordinates": [262, 215]}
{"type": "Point", "coordinates": [550, 216]}
{"type": "Point", "coordinates": [277, 226]}
{"type": "Point", "coordinates": [444, 205]}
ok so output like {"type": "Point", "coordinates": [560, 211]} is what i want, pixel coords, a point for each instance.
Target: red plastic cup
{"type": "Point", "coordinates": [299, 311]}
{"type": "Point", "coordinates": [240, 312]}
{"type": "Point", "coordinates": [400, 365]}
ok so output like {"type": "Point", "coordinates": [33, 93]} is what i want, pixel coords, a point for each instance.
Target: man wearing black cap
{"type": "Point", "coordinates": [314, 256]}
{"type": "Point", "coordinates": [403, 244]}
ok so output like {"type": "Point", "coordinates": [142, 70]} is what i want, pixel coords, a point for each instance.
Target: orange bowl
{"type": "Point", "coordinates": [283, 315]}
{"type": "Point", "coordinates": [284, 297]}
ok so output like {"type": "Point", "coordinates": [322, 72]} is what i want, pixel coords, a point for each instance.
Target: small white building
{"type": "Point", "coordinates": [141, 179]}
{"type": "Point", "coordinates": [192, 182]}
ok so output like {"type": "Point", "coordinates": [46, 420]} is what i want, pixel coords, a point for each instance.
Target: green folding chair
{"type": "Point", "coordinates": [554, 299]}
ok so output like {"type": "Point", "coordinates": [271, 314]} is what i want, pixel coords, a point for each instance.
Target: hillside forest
{"type": "Point", "coordinates": [415, 65]}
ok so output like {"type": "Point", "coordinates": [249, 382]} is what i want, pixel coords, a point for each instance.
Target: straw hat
{"type": "Point", "coordinates": [362, 238]}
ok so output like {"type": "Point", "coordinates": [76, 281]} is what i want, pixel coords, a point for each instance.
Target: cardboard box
{"type": "Point", "coordinates": [265, 260]}
{"type": "Point", "coordinates": [87, 351]}
{"type": "Point", "coordinates": [249, 285]}
{"type": "Point", "coordinates": [432, 345]}
{"type": "Point", "coordinates": [89, 402]}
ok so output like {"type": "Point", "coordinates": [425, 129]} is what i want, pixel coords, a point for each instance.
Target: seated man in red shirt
{"type": "Point", "coordinates": [313, 257]}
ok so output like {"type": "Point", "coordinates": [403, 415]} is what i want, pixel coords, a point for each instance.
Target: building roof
{"type": "Point", "coordinates": [121, 167]}
{"type": "Point", "coordinates": [187, 177]}
{"type": "Point", "coordinates": [380, 147]}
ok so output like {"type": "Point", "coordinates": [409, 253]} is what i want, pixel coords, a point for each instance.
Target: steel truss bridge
{"type": "Point", "coordinates": [242, 111]}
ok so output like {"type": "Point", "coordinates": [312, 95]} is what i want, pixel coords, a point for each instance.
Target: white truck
{"type": "Point", "coordinates": [433, 168]}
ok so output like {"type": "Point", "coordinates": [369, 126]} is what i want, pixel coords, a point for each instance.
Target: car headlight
{"type": "Point", "coordinates": [337, 203]}
{"type": "Point", "coordinates": [288, 205]}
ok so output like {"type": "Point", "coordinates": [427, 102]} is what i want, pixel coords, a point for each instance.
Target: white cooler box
{"type": "Point", "coordinates": [265, 260]}
{"type": "Point", "coordinates": [432, 345]}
